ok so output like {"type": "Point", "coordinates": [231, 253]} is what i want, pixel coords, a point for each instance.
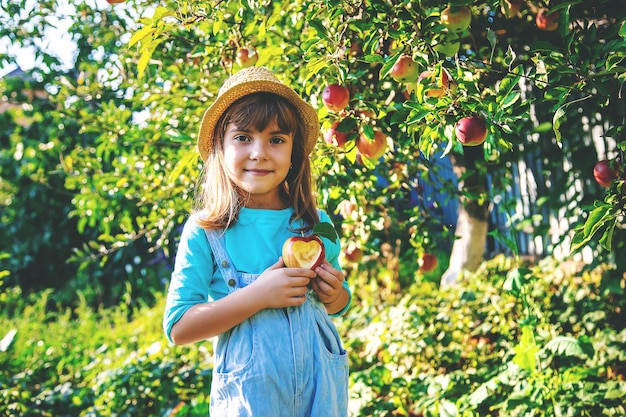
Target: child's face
{"type": "Point", "coordinates": [258, 162]}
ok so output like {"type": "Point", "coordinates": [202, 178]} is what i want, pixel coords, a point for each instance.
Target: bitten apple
{"type": "Point", "coordinates": [471, 131]}
{"type": "Point", "coordinates": [335, 97]}
{"type": "Point", "coordinates": [303, 252]}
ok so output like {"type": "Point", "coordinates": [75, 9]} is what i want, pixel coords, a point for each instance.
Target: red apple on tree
{"type": "Point", "coordinates": [353, 254]}
{"type": "Point", "coordinates": [372, 148]}
{"type": "Point", "coordinates": [334, 137]}
{"type": "Point", "coordinates": [247, 57]}
{"type": "Point", "coordinates": [335, 97]}
{"type": "Point", "coordinates": [428, 262]}
{"type": "Point", "coordinates": [547, 21]}
{"type": "Point", "coordinates": [605, 172]}
{"type": "Point", "coordinates": [308, 251]}
{"type": "Point", "coordinates": [405, 70]}
{"type": "Point", "coordinates": [471, 131]}
{"type": "Point", "coordinates": [456, 18]}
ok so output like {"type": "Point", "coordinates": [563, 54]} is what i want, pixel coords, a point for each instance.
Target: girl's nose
{"type": "Point", "coordinates": [259, 151]}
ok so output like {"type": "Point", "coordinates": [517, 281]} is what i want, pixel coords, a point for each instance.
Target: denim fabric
{"type": "Point", "coordinates": [285, 362]}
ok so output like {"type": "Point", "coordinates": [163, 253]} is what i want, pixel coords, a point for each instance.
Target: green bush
{"type": "Point", "coordinates": [549, 343]}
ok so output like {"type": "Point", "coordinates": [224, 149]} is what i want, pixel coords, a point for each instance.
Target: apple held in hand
{"type": "Point", "coordinates": [308, 251]}
{"type": "Point", "coordinates": [303, 252]}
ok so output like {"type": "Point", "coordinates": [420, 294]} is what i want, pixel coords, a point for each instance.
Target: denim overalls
{"type": "Point", "coordinates": [286, 362]}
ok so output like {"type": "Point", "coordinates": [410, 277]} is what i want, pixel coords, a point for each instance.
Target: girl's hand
{"type": "Point", "coordinates": [328, 284]}
{"type": "Point", "coordinates": [279, 287]}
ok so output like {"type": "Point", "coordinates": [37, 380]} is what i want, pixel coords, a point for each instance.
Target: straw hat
{"type": "Point", "coordinates": [245, 82]}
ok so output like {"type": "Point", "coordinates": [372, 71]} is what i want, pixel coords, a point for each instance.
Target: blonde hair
{"type": "Point", "coordinates": [220, 200]}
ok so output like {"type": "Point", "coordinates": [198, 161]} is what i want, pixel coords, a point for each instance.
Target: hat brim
{"type": "Point", "coordinates": [241, 89]}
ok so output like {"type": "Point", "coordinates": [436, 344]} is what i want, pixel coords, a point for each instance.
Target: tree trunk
{"type": "Point", "coordinates": [472, 223]}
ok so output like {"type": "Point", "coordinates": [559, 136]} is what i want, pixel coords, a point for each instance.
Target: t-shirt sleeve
{"type": "Point", "coordinates": [332, 256]}
{"type": "Point", "coordinates": [191, 277]}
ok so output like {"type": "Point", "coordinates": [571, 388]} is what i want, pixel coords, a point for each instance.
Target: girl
{"type": "Point", "coordinates": [277, 353]}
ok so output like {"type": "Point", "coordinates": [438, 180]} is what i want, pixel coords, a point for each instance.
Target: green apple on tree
{"type": "Point", "coordinates": [405, 69]}
{"type": "Point", "coordinates": [456, 18]}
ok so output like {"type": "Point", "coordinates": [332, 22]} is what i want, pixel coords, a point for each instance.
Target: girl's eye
{"type": "Point", "coordinates": [241, 138]}
{"type": "Point", "coordinates": [277, 140]}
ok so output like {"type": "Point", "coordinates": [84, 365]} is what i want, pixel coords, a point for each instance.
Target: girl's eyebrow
{"type": "Point", "coordinates": [247, 130]}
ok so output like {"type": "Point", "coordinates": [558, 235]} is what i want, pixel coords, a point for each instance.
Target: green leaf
{"type": "Point", "coordinates": [596, 220]}
{"type": "Point", "coordinates": [515, 280]}
{"type": "Point", "coordinates": [141, 34]}
{"type": "Point", "coordinates": [557, 119]}
{"type": "Point", "coordinates": [567, 346]}
{"type": "Point", "coordinates": [579, 239]}
{"type": "Point", "coordinates": [526, 350]}
{"type": "Point", "coordinates": [492, 38]}
{"type": "Point", "coordinates": [325, 230]}
{"type": "Point", "coordinates": [510, 99]}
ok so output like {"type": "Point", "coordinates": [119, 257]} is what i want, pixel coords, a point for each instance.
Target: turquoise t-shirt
{"type": "Point", "coordinates": [254, 243]}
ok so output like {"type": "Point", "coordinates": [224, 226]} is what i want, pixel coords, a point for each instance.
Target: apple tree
{"type": "Point", "coordinates": [483, 84]}
{"type": "Point", "coordinates": [499, 80]}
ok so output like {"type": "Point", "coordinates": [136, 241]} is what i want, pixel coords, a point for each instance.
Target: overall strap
{"type": "Point", "coordinates": [222, 260]}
